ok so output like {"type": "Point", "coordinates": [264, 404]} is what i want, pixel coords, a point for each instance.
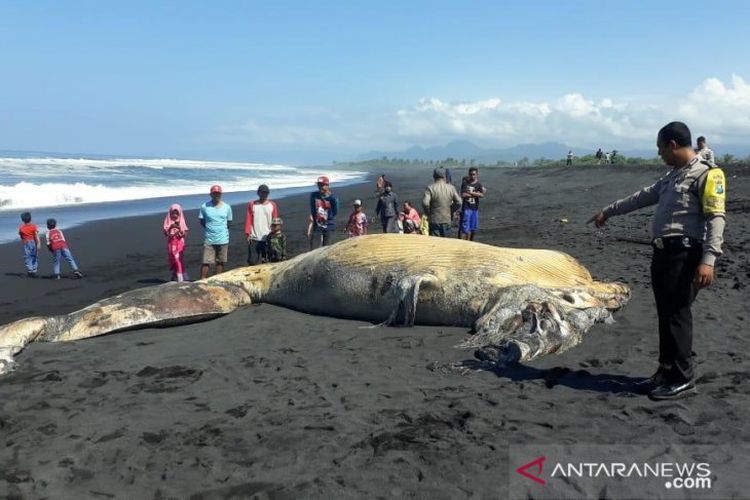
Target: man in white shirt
{"type": "Point", "coordinates": [260, 215]}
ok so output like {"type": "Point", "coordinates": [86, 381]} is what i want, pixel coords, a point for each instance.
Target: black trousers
{"type": "Point", "coordinates": [672, 276]}
{"type": "Point", "coordinates": [321, 236]}
{"type": "Point", "coordinates": [256, 252]}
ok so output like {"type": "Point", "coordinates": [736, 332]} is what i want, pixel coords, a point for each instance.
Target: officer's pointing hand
{"type": "Point", "coordinates": [598, 219]}
{"type": "Point", "coordinates": [704, 276]}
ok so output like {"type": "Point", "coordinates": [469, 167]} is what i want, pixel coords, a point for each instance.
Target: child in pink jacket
{"type": "Point", "coordinates": [175, 229]}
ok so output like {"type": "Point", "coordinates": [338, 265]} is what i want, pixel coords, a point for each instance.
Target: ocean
{"type": "Point", "coordinates": [75, 190]}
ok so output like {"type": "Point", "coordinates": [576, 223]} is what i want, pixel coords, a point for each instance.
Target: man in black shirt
{"type": "Point", "coordinates": [471, 191]}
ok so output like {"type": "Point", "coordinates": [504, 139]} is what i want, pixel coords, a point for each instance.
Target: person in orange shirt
{"type": "Point", "coordinates": [29, 234]}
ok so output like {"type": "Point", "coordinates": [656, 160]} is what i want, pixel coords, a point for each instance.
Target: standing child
{"type": "Point", "coordinates": [29, 234]}
{"type": "Point", "coordinates": [59, 248]}
{"type": "Point", "coordinates": [357, 225]}
{"type": "Point", "coordinates": [175, 229]}
{"type": "Point", "coordinates": [276, 242]}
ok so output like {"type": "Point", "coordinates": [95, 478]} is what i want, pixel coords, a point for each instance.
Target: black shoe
{"type": "Point", "coordinates": [647, 385]}
{"type": "Point", "coordinates": [55, 277]}
{"type": "Point", "coordinates": [673, 391]}
{"type": "Point", "coordinates": [78, 275]}
{"type": "Point", "coordinates": [32, 274]}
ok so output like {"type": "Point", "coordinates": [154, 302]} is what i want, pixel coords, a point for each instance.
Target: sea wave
{"type": "Point", "coordinates": [87, 164]}
{"type": "Point", "coordinates": [25, 195]}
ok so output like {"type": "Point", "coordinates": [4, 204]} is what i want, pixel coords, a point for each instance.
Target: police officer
{"type": "Point", "coordinates": [687, 229]}
{"type": "Point", "coordinates": [704, 151]}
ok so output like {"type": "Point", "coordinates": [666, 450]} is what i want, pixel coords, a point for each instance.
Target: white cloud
{"type": "Point", "coordinates": [572, 118]}
{"type": "Point", "coordinates": [715, 109]}
{"type": "Point", "coordinates": [723, 111]}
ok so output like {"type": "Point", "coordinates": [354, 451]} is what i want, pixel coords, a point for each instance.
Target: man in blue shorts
{"type": "Point", "coordinates": [471, 191]}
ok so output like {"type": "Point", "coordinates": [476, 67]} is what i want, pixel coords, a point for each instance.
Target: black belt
{"type": "Point", "coordinates": [676, 243]}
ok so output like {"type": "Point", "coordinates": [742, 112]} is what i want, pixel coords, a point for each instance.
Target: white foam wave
{"type": "Point", "coordinates": [42, 165]}
{"type": "Point", "coordinates": [34, 195]}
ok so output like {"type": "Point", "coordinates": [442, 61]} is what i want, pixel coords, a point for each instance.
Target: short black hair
{"type": "Point", "coordinates": [701, 139]}
{"type": "Point", "coordinates": [51, 223]}
{"type": "Point", "coordinates": [388, 184]}
{"type": "Point", "coordinates": [473, 169]}
{"type": "Point", "coordinates": [26, 217]}
{"type": "Point", "coordinates": [263, 188]}
{"type": "Point", "coordinates": [677, 132]}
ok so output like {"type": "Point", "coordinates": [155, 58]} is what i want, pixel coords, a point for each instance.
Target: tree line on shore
{"type": "Point", "coordinates": [587, 160]}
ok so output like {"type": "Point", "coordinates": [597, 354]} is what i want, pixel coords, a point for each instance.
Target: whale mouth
{"type": "Point", "coordinates": [529, 322]}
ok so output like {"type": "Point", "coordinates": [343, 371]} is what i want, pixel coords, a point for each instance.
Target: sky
{"type": "Point", "coordinates": [314, 81]}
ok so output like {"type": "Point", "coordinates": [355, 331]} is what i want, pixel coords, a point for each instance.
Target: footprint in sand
{"type": "Point", "coordinates": [166, 379]}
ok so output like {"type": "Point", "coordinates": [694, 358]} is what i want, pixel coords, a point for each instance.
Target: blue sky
{"type": "Point", "coordinates": [311, 81]}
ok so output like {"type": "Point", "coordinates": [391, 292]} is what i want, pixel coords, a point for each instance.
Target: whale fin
{"type": "Point", "coordinates": [406, 296]}
{"type": "Point", "coordinates": [163, 305]}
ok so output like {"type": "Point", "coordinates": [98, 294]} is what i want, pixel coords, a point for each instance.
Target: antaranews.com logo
{"type": "Point", "coordinates": [677, 475]}
{"type": "Point", "coordinates": [628, 471]}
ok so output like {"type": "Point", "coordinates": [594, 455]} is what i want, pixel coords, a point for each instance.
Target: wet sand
{"type": "Point", "coordinates": [279, 404]}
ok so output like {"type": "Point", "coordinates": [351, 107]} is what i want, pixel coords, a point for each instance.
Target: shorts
{"type": "Point", "coordinates": [469, 220]}
{"type": "Point", "coordinates": [215, 254]}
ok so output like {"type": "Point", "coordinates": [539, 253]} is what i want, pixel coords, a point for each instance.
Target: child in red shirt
{"type": "Point", "coordinates": [357, 225]}
{"type": "Point", "coordinates": [59, 248]}
{"type": "Point", "coordinates": [29, 234]}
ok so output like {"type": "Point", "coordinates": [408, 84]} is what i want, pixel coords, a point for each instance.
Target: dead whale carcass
{"type": "Point", "coordinates": [521, 303]}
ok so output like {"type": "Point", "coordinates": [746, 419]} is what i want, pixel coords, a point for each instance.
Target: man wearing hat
{"type": "Point", "coordinates": [276, 242]}
{"type": "Point", "coordinates": [260, 215]}
{"type": "Point", "coordinates": [215, 217]}
{"type": "Point", "coordinates": [323, 209]}
{"type": "Point", "coordinates": [438, 202]}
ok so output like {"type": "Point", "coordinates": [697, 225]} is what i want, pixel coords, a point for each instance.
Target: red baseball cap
{"type": "Point", "coordinates": [216, 188]}
{"type": "Point", "coordinates": [323, 180]}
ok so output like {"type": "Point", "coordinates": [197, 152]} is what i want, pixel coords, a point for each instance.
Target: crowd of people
{"type": "Point", "coordinates": [443, 207]}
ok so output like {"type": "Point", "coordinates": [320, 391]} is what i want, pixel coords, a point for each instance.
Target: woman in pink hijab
{"type": "Point", "coordinates": [175, 229]}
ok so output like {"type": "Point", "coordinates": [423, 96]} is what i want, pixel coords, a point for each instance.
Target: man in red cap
{"type": "Point", "coordinates": [323, 209]}
{"type": "Point", "coordinates": [215, 217]}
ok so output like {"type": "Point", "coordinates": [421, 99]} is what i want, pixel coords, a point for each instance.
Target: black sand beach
{"type": "Point", "coordinates": [278, 404]}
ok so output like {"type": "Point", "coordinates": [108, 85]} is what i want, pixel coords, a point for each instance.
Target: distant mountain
{"type": "Point", "coordinates": [466, 150]}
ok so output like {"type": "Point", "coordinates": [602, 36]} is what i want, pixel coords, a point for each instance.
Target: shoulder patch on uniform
{"type": "Point", "coordinates": [714, 192]}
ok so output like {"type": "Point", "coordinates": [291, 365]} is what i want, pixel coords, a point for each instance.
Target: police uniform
{"type": "Point", "coordinates": [687, 229]}
{"type": "Point", "coordinates": [707, 154]}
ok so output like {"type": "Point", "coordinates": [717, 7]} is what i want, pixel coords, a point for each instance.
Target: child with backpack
{"type": "Point", "coordinates": [59, 248]}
